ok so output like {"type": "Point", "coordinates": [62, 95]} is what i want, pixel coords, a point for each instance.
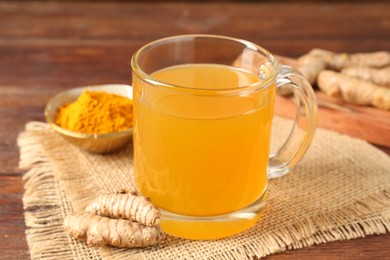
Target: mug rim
{"type": "Point", "coordinates": [251, 87]}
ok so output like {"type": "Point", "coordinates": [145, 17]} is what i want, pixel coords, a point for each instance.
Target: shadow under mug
{"type": "Point", "coordinates": [203, 118]}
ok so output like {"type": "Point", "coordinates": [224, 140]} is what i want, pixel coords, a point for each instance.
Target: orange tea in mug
{"type": "Point", "coordinates": [203, 115]}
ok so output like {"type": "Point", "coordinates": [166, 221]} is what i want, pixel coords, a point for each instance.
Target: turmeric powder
{"type": "Point", "coordinates": [96, 112]}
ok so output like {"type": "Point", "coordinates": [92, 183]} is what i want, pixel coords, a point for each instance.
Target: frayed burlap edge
{"type": "Point", "coordinates": [44, 209]}
{"type": "Point", "coordinates": [292, 237]}
{"type": "Point", "coordinates": [356, 221]}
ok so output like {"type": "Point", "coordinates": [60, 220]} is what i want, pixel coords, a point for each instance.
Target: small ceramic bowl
{"type": "Point", "coordinates": [95, 143]}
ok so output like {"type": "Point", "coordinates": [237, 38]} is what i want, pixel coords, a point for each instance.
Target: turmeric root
{"type": "Point", "coordinates": [338, 61]}
{"type": "Point", "coordinates": [99, 231]}
{"type": "Point", "coordinates": [354, 90]}
{"type": "Point", "coordinates": [127, 206]}
{"type": "Point", "coordinates": [310, 67]}
{"type": "Point", "coordinates": [378, 76]}
{"type": "Point", "coordinates": [312, 63]}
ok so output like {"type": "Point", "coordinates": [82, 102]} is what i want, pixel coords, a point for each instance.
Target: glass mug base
{"type": "Point", "coordinates": [207, 228]}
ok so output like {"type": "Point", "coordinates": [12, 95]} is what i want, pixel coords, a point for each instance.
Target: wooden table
{"type": "Point", "coordinates": [46, 47]}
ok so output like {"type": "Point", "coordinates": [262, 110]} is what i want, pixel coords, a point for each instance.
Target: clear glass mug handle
{"type": "Point", "coordinates": [302, 132]}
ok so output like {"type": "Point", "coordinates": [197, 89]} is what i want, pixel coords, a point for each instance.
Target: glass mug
{"type": "Point", "coordinates": [203, 109]}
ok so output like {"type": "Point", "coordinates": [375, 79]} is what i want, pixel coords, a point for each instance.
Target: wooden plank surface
{"type": "Point", "coordinates": [366, 123]}
{"type": "Point", "coordinates": [46, 47]}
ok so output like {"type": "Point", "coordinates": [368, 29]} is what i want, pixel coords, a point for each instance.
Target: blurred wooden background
{"type": "Point", "coordinates": [49, 46]}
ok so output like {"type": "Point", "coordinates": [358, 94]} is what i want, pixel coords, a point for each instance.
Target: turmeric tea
{"type": "Point", "coordinates": [96, 112]}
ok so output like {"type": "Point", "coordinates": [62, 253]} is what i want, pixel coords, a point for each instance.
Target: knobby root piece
{"type": "Point", "coordinates": [338, 61]}
{"type": "Point", "coordinates": [378, 76]}
{"type": "Point", "coordinates": [99, 231]}
{"type": "Point", "coordinates": [310, 67]}
{"type": "Point", "coordinates": [126, 206]}
{"type": "Point", "coordinates": [354, 90]}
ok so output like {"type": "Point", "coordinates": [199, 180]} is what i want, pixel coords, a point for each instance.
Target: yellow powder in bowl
{"type": "Point", "coordinates": [96, 112]}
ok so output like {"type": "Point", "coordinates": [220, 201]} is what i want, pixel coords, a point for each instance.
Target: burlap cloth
{"type": "Point", "coordinates": [341, 190]}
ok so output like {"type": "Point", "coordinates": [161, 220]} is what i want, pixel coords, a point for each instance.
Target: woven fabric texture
{"type": "Point", "coordinates": [340, 190]}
